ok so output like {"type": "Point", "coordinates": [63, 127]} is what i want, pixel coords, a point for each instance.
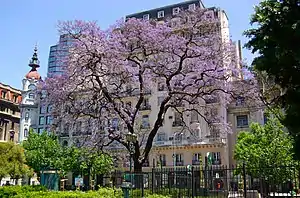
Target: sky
{"type": "Point", "coordinates": [27, 23]}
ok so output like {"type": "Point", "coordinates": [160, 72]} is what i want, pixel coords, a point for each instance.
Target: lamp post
{"type": "Point", "coordinates": [131, 138]}
{"type": "Point", "coordinates": [174, 155]}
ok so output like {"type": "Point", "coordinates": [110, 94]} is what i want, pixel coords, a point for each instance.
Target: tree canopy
{"type": "Point", "coordinates": [12, 161]}
{"type": "Point", "coordinates": [188, 60]}
{"type": "Point", "coordinates": [43, 151]}
{"type": "Point", "coordinates": [275, 38]}
{"type": "Point", "coordinates": [267, 150]}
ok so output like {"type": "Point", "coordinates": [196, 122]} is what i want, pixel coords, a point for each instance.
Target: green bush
{"type": "Point", "coordinates": [10, 191]}
{"type": "Point", "coordinates": [72, 194]}
{"type": "Point", "coordinates": [157, 196]}
{"type": "Point", "coordinates": [42, 192]}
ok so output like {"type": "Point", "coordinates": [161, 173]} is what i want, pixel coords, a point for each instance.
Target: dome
{"type": "Point", "coordinates": [33, 75]}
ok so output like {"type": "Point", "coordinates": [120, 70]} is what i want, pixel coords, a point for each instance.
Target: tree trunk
{"type": "Point", "coordinates": [137, 166]}
{"type": "Point", "coordinates": [138, 173]}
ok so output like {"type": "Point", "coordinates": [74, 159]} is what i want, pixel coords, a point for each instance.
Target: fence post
{"type": "Point", "coordinates": [244, 180]}
{"type": "Point", "coordinates": [152, 186]}
{"type": "Point", "coordinates": [192, 181]}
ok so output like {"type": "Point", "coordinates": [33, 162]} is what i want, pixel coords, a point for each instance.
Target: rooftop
{"type": "Point", "coordinates": [168, 6]}
{"type": "Point", "coordinates": [8, 87]}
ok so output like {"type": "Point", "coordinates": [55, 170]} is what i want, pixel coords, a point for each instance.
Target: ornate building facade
{"type": "Point", "coordinates": [9, 113]}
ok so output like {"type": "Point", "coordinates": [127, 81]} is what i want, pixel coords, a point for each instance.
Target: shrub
{"type": "Point", "coordinates": [10, 191]}
{"type": "Point", "coordinates": [42, 192]}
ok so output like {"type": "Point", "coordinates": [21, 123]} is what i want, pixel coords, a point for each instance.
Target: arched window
{"type": "Point", "coordinates": [31, 95]}
{"type": "Point", "coordinates": [31, 87]}
{"type": "Point", "coordinates": [65, 143]}
{"type": "Point", "coordinates": [25, 132]}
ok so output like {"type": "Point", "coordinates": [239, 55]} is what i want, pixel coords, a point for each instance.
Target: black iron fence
{"type": "Point", "coordinates": [211, 181]}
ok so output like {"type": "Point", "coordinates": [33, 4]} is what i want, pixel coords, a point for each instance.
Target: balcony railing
{"type": "Point", "coordinates": [177, 124]}
{"type": "Point", "coordinates": [195, 162]}
{"type": "Point", "coordinates": [216, 162]}
{"type": "Point", "coordinates": [145, 126]}
{"type": "Point", "coordinates": [145, 107]}
{"type": "Point", "coordinates": [64, 134]}
{"type": "Point", "coordinates": [179, 163]}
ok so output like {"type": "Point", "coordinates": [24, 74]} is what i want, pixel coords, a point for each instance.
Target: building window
{"type": "Point", "coordinates": [160, 100]}
{"type": "Point", "coordinates": [65, 143]}
{"type": "Point", "coordinates": [145, 122]}
{"type": "Point", "coordinates": [178, 120]}
{"type": "Point", "coordinates": [145, 105]}
{"type": "Point", "coordinates": [209, 14]}
{"type": "Point", "coordinates": [176, 11]}
{"type": "Point", "coordinates": [179, 159]}
{"type": "Point", "coordinates": [78, 127]}
{"type": "Point", "coordinates": [49, 120]}
{"type": "Point", "coordinates": [42, 109]}
{"type": "Point", "coordinates": [40, 130]}
{"type": "Point", "coordinates": [192, 7]}
{"type": "Point", "coordinates": [49, 109]}
{"type": "Point", "coordinates": [162, 160]}
{"type": "Point", "coordinates": [146, 17]}
{"type": "Point", "coordinates": [41, 120]}
{"type": "Point", "coordinates": [197, 157]}
{"type": "Point", "coordinates": [160, 14]}
{"type": "Point", "coordinates": [115, 123]}
{"type": "Point", "coordinates": [216, 157]}
{"type": "Point", "coordinates": [26, 116]}
{"type": "Point", "coordinates": [240, 101]}
{"type": "Point", "coordinates": [31, 87]}
{"type": "Point", "coordinates": [161, 86]}
{"type": "Point", "coordinates": [128, 105]}
{"type": "Point", "coordinates": [242, 121]}
{"type": "Point", "coordinates": [161, 137]}
{"type": "Point", "coordinates": [31, 95]}
{"type": "Point", "coordinates": [25, 132]}
{"type": "Point", "coordinates": [265, 118]}
{"type": "Point", "coordinates": [3, 94]}
{"type": "Point", "coordinates": [194, 116]}
{"type": "Point", "coordinates": [15, 98]}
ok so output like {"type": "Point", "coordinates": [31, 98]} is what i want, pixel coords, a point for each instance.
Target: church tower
{"type": "Point", "coordinates": [29, 106]}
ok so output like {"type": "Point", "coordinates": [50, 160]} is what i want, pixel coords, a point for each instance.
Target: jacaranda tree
{"type": "Point", "coordinates": [187, 59]}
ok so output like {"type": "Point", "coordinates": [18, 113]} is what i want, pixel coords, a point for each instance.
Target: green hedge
{"type": "Point", "coordinates": [42, 192]}
{"type": "Point", "coordinates": [10, 191]}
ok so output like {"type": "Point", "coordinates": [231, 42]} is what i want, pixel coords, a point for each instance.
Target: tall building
{"type": "Point", "coordinates": [172, 147]}
{"type": "Point", "coordinates": [57, 55]}
{"type": "Point", "coordinates": [10, 99]}
{"type": "Point", "coordinates": [30, 104]}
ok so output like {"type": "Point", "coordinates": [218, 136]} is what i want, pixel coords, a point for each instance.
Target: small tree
{"type": "Point", "coordinates": [12, 161]}
{"type": "Point", "coordinates": [42, 151]}
{"type": "Point", "coordinates": [267, 151]}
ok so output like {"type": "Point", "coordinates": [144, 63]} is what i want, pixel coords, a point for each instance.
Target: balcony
{"type": "Point", "coordinates": [195, 162]}
{"type": "Point", "coordinates": [211, 100]}
{"type": "Point", "coordinates": [145, 107]}
{"type": "Point", "coordinates": [179, 163]}
{"type": "Point", "coordinates": [64, 134]}
{"type": "Point", "coordinates": [161, 163]}
{"type": "Point", "coordinates": [146, 164]}
{"type": "Point", "coordinates": [177, 124]}
{"type": "Point", "coordinates": [216, 162]}
{"type": "Point", "coordinates": [145, 126]}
